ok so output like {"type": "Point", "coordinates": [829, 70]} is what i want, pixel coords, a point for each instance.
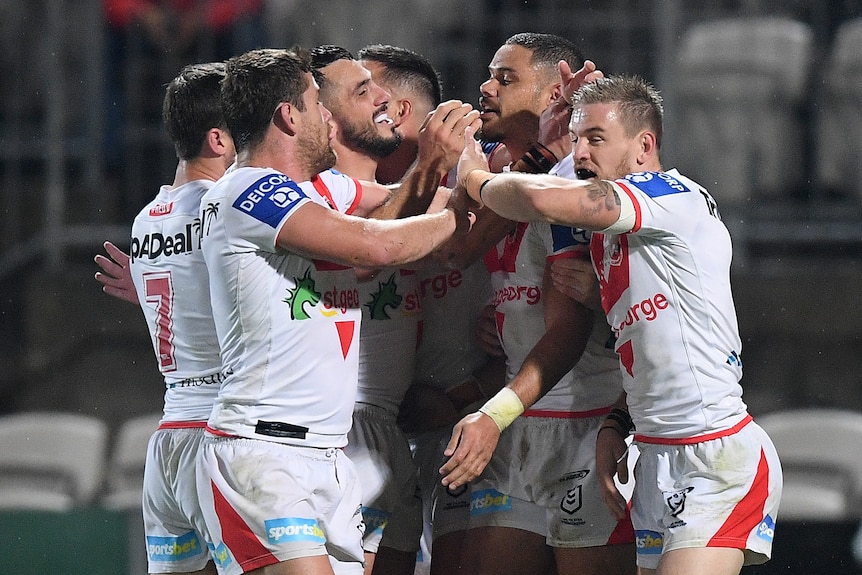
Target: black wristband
{"type": "Point", "coordinates": [622, 418]}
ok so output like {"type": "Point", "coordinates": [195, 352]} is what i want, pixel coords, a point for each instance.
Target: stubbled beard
{"type": "Point", "coordinates": [369, 140]}
{"type": "Point", "coordinates": [317, 154]}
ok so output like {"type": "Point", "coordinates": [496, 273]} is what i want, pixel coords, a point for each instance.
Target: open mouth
{"type": "Point", "coordinates": [383, 118]}
{"type": "Point", "coordinates": [584, 174]}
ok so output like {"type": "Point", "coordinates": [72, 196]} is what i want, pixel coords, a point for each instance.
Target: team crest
{"type": "Point", "coordinates": [676, 501]}
{"type": "Point", "coordinates": [572, 501]}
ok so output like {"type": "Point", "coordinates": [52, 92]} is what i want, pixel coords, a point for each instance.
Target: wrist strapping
{"type": "Point", "coordinates": [475, 182]}
{"type": "Point", "coordinates": [503, 408]}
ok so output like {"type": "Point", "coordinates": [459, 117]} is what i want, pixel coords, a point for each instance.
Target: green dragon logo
{"type": "Point", "coordinates": [303, 293]}
{"type": "Point", "coordinates": [385, 296]}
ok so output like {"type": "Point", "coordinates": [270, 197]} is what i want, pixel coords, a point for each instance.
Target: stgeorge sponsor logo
{"type": "Point", "coordinates": [439, 285]}
{"type": "Point", "coordinates": [173, 548]}
{"type": "Point", "coordinates": [268, 199]}
{"type": "Point", "coordinates": [341, 299]}
{"type": "Point", "coordinates": [489, 501]}
{"type": "Point", "coordinates": [292, 529]}
{"type": "Point", "coordinates": [766, 529]}
{"type": "Point", "coordinates": [647, 310]}
{"type": "Point", "coordinates": [648, 542]}
{"type": "Point", "coordinates": [375, 520]}
{"type": "Point", "coordinates": [156, 244]}
{"type": "Point", "coordinates": [161, 209]}
{"type": "Point", "coordinates": [531, 294]}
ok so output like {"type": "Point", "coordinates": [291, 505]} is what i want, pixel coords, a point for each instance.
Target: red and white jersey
{"type": "Point", "coordinates": [666, 290]}
{"type": "Point", "coordinates": [288, 326]}
{"type": "Point", "coordinates": [391, 312]}
{"type": "Point", "coordinates": [449, 352]}
{"type": "Point", "coordinates": [451, 301]}
{"type": "Point", "coordinates": [517, 266]}
{"type": "Point", "coordinates": [171, 279]}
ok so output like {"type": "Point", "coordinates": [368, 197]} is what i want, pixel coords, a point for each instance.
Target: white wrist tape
{"type": "Point", "coordinates": [626, 221]}
{"type": "Point", "coordinates": [503, 408]}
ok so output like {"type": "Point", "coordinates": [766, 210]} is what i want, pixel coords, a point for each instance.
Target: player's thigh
{"type": "Point", "coordinates": [446, 553]}
{"type": "Point", "coordinates": [602, 560]}
{"type": "Point", "coordinates": [315, 565]}
{"type": "Point", "coordinates": [505, 551]}
{"type": "Point", "coordinates": [701, 560]}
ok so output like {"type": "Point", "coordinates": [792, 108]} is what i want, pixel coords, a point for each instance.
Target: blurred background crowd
{"type": "Point", "coordinates": [763, 107]}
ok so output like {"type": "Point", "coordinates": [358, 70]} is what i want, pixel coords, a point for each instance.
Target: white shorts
{"type": "Point", "coordinates": [722, 492]}
{"type": "Point", "coordinates": [391, 505]}
{"type": "Point", "coordinates": [548, 463]}
{"type": "Point", "coordinates": [173, 525]}
{"type": "Point", "coordinates": [266, 502]}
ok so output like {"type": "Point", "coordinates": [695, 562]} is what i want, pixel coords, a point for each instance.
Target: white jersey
{"type": "Point", "coordinates": [391, 311]}
{"type": "Point", "coordinates": [451, 301]}
{"type": "Point", "coordinates": [288, 326]}
{"type": "Point", "coordinates": [517, 266]}
{"type": "Point", "coordinates": [666, 290]}
{"type": "Point", "coordinates": [171, 279]}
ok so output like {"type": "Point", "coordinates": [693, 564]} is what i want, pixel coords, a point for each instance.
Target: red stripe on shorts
{"type": "Point", "coordinates": [244, 545]}
{"type": "Point", "coordinates": [747, 514]}
{"type": "Point", "coordinates": [623, 532]}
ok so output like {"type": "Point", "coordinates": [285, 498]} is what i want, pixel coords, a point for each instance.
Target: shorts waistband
{"type": "Point", "coordinates": [697, 438]}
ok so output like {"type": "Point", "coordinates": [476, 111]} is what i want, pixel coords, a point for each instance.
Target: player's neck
{"type": "Point", "coordinates": [355, 164]}
{"type": "Point", "coordinates": [198, 169]}
{"type": "Point", "coordinates": [517, 147]}
{"type": "Point", "coordinates": [276, 158]}
{"type": "Point", "coordinates": [392, 168]}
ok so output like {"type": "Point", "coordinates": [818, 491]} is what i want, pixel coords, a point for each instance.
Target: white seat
{"type": "Point", "coordinates": [50, 460]}
{"type": "Point", "coordinates": [839, 119]}
{"type": "Point", "coordinates": [820, 456]}
{"type": "Point", "coordinates": [126, 462]}
{"type": "Point", "coordinates": [741, 84]}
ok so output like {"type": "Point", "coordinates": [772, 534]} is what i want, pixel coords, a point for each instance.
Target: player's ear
{"type": "Point", "coordinates": [400, 110]}
{"type": "Point", "coordinates": [648, 146]}
{"type": "Point", "coordinates": [286, 118]}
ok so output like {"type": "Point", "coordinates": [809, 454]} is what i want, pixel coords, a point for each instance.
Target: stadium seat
{"type": "Point", "coordinates": [819, 451]}
{"type": "Point", "coordinates": [126, 462]}
{"type": "Point", "coordinates": [50, 461]}
{"type": "Point", "coordinates": [741, 85]}
{"type": "Point", "coordinates": [839, 119]}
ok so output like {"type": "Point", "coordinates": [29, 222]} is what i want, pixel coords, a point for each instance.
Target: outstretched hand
{"type": "Point", "coordinates": [116, 275]}
{"type": "Point", "coordinates": [470, 448]}
{"type": "Point", "coordinates": [441, 136]}
{"type": "Point", "coordinates": [572, 81]}
{"type": "Point", "coordinates": [611, 460]}
{"type": "Point", "coordinates": [472, 158]}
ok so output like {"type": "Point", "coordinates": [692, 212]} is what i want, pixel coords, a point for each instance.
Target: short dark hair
{"type": "Point", "coordinates": [639, 103]}
{"type": "Point", "coordinates": [406, 68]}
{"type": "Point", "coordinates": [548, 49]}
{"type": "Point", "coordinates": [324, 55]}
{"type": "Point", "coordinates": [255, 84]}
{"type": "Point", "coordinates": [192, 107]}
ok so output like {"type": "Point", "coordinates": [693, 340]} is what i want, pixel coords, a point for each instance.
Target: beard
{"type": "Point", "coordinates": [315, 152]}
{"type": "Point", "coordinates": [368, 140]}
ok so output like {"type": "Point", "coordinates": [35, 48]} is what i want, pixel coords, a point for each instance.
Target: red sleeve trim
{"type": "Point", "coordinates": [635, 203]}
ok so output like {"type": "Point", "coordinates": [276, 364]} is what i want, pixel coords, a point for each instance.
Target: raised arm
{"type": "Point", "coordinates": [441, 140]}
{"type": "Point", "coordinates": [538, 197]}
{"type": "Point", "coordinates": [567, 329]}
